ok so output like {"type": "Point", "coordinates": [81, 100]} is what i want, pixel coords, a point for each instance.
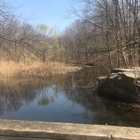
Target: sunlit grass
{"type": "Point", "coordinates": [36, 69]}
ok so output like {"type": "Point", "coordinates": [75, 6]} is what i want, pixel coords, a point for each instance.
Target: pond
{"type": "Point", "coordinates": [70, 98]}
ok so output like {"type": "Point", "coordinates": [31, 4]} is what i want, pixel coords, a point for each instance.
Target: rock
{"type": "Point", "coordinates": [133, 69]}
{"type": "Point", "coordinates": [121, 83]}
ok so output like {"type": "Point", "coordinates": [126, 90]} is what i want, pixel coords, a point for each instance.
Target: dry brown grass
{"type": "Point", "coordinates": [37, 69]}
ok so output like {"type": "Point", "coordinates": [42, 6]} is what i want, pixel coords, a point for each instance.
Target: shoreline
{"type": "Point", "coordinates": [10, 69]}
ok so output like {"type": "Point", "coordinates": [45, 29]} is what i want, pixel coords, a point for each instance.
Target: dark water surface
{"type": "Point", "coordinates": [63, 98]}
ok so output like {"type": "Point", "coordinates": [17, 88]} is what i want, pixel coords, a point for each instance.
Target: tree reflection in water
{"type": "Point", "coordinates": [97, 111]}
{"type": "Point", "coordinates": [67, 98]}
{"type": "Point", "coordinates": [15, 93]}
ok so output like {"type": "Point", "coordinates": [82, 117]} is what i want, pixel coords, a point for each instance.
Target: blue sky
{"type": "Point", "coordinates": [49, 12]}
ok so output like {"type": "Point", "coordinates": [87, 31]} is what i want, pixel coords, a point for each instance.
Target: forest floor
{"type": "Point", "coordinates": [36, 69]}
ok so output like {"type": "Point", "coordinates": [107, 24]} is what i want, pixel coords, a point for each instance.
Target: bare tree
{"type": "Point", "coordinates": [114, 29]}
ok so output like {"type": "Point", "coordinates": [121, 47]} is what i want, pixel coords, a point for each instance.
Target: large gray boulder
{"type": "Point", "coordinates": [121, 83]}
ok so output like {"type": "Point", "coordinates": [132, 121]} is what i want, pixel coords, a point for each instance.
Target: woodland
{"type": "Point", "coordinates": [106, 33]}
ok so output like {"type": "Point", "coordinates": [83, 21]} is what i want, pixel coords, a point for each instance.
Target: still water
{"type": "Point", "coordinates": [68, 98]}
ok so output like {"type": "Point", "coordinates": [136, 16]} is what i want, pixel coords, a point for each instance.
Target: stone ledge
{"type": "Point", "coordinates": [33, 130]}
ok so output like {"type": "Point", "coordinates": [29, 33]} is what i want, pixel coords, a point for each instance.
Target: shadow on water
{"type": "Point", "coordinates": [62, 98]}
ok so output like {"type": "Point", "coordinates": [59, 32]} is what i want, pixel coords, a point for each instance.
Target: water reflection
{"type": "Point", "coordinates": [69, 98]}
{"type": "Point", "coordinates": [15, 93]}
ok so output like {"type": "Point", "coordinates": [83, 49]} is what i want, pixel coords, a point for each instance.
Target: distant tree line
{"type": "Point", "coordinates": [107, 33]}
{"type": "Point", "coordinates": [23, 42]}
